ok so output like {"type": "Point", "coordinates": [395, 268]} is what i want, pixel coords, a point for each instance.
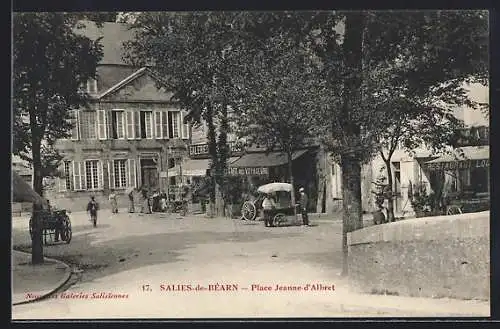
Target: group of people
{"type": "Point", "coordinates": [269, 208]}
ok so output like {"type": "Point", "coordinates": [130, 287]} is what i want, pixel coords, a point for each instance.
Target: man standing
{"type": "Point", "coordinates": [130, 193]}
{"type": "Point", "coordinates": [267, 206]}
{"type": "Point", "coordinates": [303, 206]}
{"type": "Point", "coordinates": [92, 208]}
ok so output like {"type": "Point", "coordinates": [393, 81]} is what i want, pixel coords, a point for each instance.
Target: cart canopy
{"type": "Point", "coordinates": [275, 187]}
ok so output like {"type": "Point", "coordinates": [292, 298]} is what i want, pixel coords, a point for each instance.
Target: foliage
{"type": "Point", "coordinates": [50, 63]}
{"type": "Point", "coordinates": [382, 192]}
{"type": "Point", "coordinates": [232, 189]}
{"type": "Point", "coordinates": [192, 52]}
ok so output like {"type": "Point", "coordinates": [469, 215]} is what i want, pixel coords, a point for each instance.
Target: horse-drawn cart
{"type": "Point", "coordinates": [53, 222]}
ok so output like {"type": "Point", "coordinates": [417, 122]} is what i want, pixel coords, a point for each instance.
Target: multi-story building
{"type": "Point", "coordinates": [125, 137]}
{"type": "Point", "coordinates": [468, 170]}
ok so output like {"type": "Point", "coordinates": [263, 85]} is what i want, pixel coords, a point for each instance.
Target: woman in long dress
{"type": "Point", "coordinates": [114, 203]}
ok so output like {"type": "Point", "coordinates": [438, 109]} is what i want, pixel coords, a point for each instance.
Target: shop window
{"type": "Point", "coordinates": [479, 180]}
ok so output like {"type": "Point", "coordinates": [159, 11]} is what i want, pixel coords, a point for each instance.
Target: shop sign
{"type": "Point", "coordinates": [251, 171]}
{"type": "Point", "coordinates": [458, 165]}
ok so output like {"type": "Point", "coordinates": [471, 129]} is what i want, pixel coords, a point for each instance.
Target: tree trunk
{"type": "Point", "coordinates": [390, 196]}
{"type": "Point", "coordinates": [353, 148]}
{"type": "Point", "coordinates": [290, 175]}
{"type": "Point", "coordinates": [351, 202]}
{"type": "Point", "coordinates": [36, 242]}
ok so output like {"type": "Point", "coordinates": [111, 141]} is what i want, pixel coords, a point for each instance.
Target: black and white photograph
{"type": "Point", "coordinates": [253, 165]}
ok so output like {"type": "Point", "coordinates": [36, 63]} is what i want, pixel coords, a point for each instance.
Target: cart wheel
{"type": "Point", "coordinates": [454, 210]}
{"type": "Point", "coordinates": [66, 230]}
{"type": "Point", "coordinates": [249, 211]}
{"type": "Point", "coordinates": [31, 228]}
{"type": "Point", "coordinates": [279, 218]}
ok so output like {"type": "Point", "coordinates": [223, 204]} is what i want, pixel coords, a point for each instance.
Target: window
{"type": "Point", "coordinates": [129, 122]}
{"type": "Point", "coordinates": [120, 173]}
{"type": "Point", "coordinates": [67, 176]}
{"type": "Point", "coordinates": [92, 86]}
{"type": "Point", "coordinates": [174, 119]}
{"type": "Point", "coordinates": [158, 125]}
{"type": "Point", "coordinates": [88, 125]}
{"type": "Point", "coordinates": [146, 124]}
{"type": "Point", "coordinates": [73, 115]}
{"type": "Point", "coordinates": [78, 178]}
{"type": "Point", "coordinates": [92, 174]}
{"type": "Point", "coordinates": [117, 124]}
{"type": "Point", "coordinates": [164, 124]}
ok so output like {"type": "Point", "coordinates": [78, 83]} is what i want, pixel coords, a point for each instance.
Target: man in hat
{"type": "Point", "coordinates": [303, 206]}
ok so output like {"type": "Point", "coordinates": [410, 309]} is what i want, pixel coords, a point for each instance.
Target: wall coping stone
{"type": "Point", "coordinates": [425, 228]}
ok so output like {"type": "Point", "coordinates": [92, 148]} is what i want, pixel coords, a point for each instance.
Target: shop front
{"type": "Point", "coordinates": [462, 179]}
{"type": "Point", "coordinates": [259, 168]}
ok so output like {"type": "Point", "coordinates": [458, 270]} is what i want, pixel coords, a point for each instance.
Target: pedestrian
{"type": "Point", "coordinates": [163, 202]}
{"type": "Point", "coordinates": [267, 207]}
{"type": "Point", "coordinates": [92, 208]}
{"type": "Point", "coordinates": [303, 206]}
{"type": "Point", "coordinates": [113, 201]}
{"type": "Point", "coordinates": [146, 209]}
{"type": "Point", "coordinates": [131, 208]}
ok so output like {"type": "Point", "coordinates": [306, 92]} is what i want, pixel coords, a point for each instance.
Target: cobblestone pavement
{"type": "Point", "coordinates": [156, 266]}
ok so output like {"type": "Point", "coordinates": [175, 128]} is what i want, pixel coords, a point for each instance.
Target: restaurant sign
{"type": "Point", "coordinates": [454, 165]}
{"type": "Point", "coordinates": [249, 171]}
{"type": "Point", "coordinates": [246, 171]}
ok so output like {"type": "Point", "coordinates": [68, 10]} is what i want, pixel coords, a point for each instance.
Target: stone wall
{"type": "Point", "coordinates": [446, 256]}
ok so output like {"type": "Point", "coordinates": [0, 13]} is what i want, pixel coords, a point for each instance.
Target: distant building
{"type": "Point", "coordinates": [123, 140]}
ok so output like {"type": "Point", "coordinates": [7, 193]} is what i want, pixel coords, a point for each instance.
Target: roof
{"type": "Point", "coordinates": [464, 154]}
{"type": "Point", "coordinates": [113, 36]}
{"type": "Point", "coordinates": [272, 159]}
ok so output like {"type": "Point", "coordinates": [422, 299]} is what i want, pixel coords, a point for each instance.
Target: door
{"type": "Point", "coordinates": [149, 174]}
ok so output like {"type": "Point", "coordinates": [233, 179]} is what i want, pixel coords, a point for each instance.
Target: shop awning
{"type": "Point", "coordinates": [272, 159]}
{"type": "Point", "coordinates": [463, 158]}
{"type": "Point", "coordinates": [193, 167]}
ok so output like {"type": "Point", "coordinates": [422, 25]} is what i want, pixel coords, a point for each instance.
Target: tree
{"type": "Point", "coordinates": [192, 53]}
{"type": "Point", "coordinates": [280, 99]}
{"type": "Point", "coordinates": [424, 53]}
{"type": "Point", "coordinates": [51, 62]}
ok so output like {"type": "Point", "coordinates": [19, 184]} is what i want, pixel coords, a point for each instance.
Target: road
{"type": "Point", "coordinates": [159, 266]}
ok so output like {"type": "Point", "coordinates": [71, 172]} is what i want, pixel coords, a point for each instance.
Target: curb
{"type": "Point", "coordinates": [47, 293]}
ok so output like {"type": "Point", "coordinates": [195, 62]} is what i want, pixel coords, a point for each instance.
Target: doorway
{"type": "Point", "coordinates": [149, 174]}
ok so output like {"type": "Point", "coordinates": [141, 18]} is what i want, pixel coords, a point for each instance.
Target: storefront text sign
{"type": "Point", "coordinates": [458, 165]}
{"type": "Point", "coordinates": [248, 171]}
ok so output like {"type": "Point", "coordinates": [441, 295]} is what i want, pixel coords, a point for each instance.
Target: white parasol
{"type": "Point", "coordinates": [275, 187]}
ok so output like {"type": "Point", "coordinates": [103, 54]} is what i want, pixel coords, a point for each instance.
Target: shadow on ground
{"type": "Point", "coordinates": [131, 252]}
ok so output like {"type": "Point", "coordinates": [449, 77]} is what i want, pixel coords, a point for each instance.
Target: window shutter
{"type": "Point", "coordinates": [129, 122]}
{"type": "Point", "coordinates": [109, 123]}
{"type": "Point", "coordinates": [164, 117]}
{"type": "Point", "coordinates": [101, 124]}
{"type": "Point", "coordinates": [74, 120]}
{"type": "Point", "coordinates": [132, 182]}
{"type": "Point", "coordinates": [76, 176]}
{"type": "Point", "coordinates": [137, 124]}
{"type": "Point", "coordinates": [100, 176]}
{"type": "Point", "coordinates": [157, 124]}
{"type": "Point", "coordinates": [83, 175]}
{"type": "Point", "coordinates": [62, 179]}
{"type": "Point", "coordinates": [111, 174]}
{"type": "Point", "coordinates": [184, 127]}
